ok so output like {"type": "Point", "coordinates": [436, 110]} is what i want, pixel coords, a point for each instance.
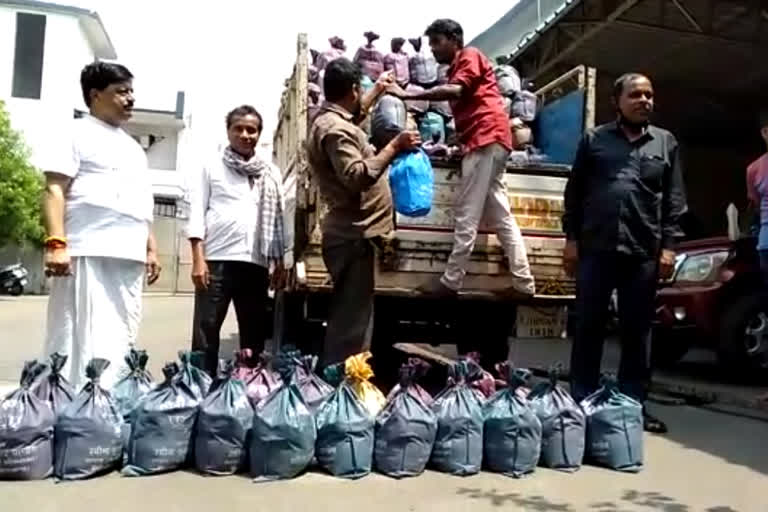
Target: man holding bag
{"type": "Point", "coordinates": [353, 184]}
{"type": "Point", "coordinates": [483, 128]}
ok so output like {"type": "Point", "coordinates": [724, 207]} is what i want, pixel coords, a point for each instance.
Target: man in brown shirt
{"type": "Point", "coordinates": [352, 182]}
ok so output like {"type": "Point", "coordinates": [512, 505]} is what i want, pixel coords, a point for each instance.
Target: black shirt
{"type": "Point", "coordinates": [625, 196]}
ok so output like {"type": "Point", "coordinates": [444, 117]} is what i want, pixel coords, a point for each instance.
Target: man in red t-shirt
{"type": "Point", "coordinates": [483, 128]}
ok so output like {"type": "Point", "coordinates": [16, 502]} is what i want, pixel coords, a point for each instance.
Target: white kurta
{"type": "Point", "coordinates": [96, 311]}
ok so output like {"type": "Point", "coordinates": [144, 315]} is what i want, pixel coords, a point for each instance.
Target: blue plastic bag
{"type": "Point", "coordinates": [411, 179]}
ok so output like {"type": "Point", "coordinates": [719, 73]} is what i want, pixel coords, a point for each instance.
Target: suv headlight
{"type": "Point", "coordinates": [699, 268]}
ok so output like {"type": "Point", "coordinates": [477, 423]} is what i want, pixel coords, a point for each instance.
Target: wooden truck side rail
{"type": "Point", "coordinates": [424, 244]}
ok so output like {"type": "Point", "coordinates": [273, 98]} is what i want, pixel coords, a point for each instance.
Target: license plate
{"type": "Point", "coordinates": [541, 322]}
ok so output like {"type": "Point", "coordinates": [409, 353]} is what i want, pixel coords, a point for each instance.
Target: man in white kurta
{"type": "Point", "coordinates": [99, 209]}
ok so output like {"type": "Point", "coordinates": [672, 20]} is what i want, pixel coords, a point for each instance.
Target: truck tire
{"type": "Point", "coordinates": [667, 348]}
{"type": "Point", "coordinates": [743, 343]}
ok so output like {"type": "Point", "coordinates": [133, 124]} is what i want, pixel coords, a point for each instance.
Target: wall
{"type": "Point", "coordinates": [43, 121]}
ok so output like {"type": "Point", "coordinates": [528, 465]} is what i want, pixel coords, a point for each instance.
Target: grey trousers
{"type": "Point", "coordinates": [350, 318]}
{"type": "Point", "coordinates": [482, 195]}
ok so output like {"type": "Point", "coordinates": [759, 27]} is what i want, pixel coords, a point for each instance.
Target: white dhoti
{"type": "Point", "coordinates": [95, 313]}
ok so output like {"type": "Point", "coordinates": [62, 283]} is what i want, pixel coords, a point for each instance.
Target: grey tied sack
{"type": "Point", "coordinates": [512, 435]}
{"type": "Point", "coordinates": [458, 445]}
{"type": "Point", "coordinates": [52, 387]}
{"type": "Point", "coordinates": [284, 432]}
{"type": "Point", "coordinates": [563, 425]}
{"type": "Point", "coordinates": [133, 386]}
{"type": "Point", "coordinates": [162, 426]}
{"type": "Point", "coordinates": [405, 431]}
{"type": "Point", "coordinates": [388, 120]}
{"type": "Point", "coordinates": [88, 434]}
{"type": "Point", "coordinates": [191, 375]}
{"type": "Point", "coordinates": [224, 425]}
{"type": "Point", "coordinates": [345, 431]}
{"type": "Point", "coordinates": [614, 428]}
{"type": "Point", "coordinates": [313, 389]}
{"type": "Point", "coordinates": [26, 431]}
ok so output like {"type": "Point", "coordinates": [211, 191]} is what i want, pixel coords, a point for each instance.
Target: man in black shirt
{"type": "Point", "coordinates": [623, 204]}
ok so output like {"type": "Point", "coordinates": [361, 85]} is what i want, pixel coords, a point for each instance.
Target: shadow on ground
{"type": "Point", "coordinates": [629, 501]}
{"type": "Point", "coordinates": [729, 437]}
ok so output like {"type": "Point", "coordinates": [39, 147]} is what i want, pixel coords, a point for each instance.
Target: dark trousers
{"type": "Point", "coordinates": [245, 284]}
{"type": "Point", "coordinates": [635, 280]}
{"type": "Point", "coordinates": [350, 316]}
{"type": "Point", "coordinates": [764, 266]}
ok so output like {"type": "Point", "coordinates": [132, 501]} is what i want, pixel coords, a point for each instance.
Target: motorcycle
{"type": "Point", "coordinates": [13, 279]}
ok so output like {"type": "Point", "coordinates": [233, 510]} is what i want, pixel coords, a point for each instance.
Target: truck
{"type": "Point", "coordinates": [480, 320]}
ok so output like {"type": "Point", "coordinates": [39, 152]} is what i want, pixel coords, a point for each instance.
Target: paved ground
{"type": "Point", "coordinates": [710, 462]}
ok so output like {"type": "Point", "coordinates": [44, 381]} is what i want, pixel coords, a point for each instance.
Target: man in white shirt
{"type": "Point", "coordinates": [237, 236]}
{"type": "Point", "coordinates": [98, 209]}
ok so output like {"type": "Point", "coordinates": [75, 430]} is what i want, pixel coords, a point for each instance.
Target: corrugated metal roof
{"type": "Point", "coordinates": [521, 26]}
{"type": "Point", "coordinates": [90, 22]}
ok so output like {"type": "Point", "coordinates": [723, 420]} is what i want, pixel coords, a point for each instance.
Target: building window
{"type": "Point", "coordinates": [165, 207]}
{"type": "Point", "coordinates": [28, 58]}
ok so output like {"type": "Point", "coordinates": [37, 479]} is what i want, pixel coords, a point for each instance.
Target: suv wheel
{"type": "Point", "coordinates": [744, 334]}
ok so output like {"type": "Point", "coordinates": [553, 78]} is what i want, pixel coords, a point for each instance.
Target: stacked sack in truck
{"type": "Point", "coordinates": [520, 102]}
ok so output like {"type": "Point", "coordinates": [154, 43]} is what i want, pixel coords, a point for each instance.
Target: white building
{"type": "Point", "coordinates": [43, 48]}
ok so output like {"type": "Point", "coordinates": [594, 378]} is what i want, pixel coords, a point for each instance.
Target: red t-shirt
{"type": "Point", "coordinates": [479, 114]}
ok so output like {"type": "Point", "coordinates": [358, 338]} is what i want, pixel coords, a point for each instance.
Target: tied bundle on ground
{"type": "Point", "coordinates": [224, 422]}
{"type": "Point", "coordinates": [512, 435]}
{"type": "Point", "coordinates": [51, 385]}
{"type": "Point", "coordinates": [614, 428]}
{"type": "Point", "coordinates": [162, 425]}
{"type": "Point", "coordinates": [26, 430]}
{"type": "Point", "coordinates": [313, 389]}
{"type": "Point", "coordinates": [458, 445]}
{"type": "Point", "coordinates": [562, 422]}
{"type": "Point", "coordinates": [284, 431]}
{"type": "Point", "coordinates": [262, 381]}
{"type": "Point", "coordinates": [345, 429]}
{"type": "Point", "coordinates": [88, 435]}
{"type": "Point", "coordinates": [405, 431]}
{"type": "Point", "coordinates": [418, 368]}
{"type": "Point", "coordinates": [191, 375]}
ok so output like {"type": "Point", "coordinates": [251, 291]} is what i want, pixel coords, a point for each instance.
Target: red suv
{"type": "Point", "coordinates": [714, 300]}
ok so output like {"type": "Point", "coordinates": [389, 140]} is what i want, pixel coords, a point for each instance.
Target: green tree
{"type": "Point", "coordinates": [21, 188]}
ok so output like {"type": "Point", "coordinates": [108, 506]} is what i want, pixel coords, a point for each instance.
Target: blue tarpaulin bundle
{"type": "Point", "coordinates": [284, 431]}
{"type": "Point", "coordinates": [345, 430]}
{"type": "Point", "coordinates": [224, 422]}
{"type": "Point", "coordinates": [405, 431]}
{"type": "Point", "coordinates": [162, 426]}
{"type": "Point", "coordinates": [512, 441]}
{"type": "Point", "coordinates": [614, 428]}
{"type": "Point", "coordinates": [88, 435]}
{"type": "Point", "coordinates": [563, 425]}
{"type": "Point", "coordinates": [26, 430]}
{"type": "Point", "coordinates": [412, 182]}
{"type": "Point", "coordinates": [459, 442]}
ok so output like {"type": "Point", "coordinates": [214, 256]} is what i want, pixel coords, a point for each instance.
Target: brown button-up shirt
{"type": "Point", "coordinates": [356, 191]}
